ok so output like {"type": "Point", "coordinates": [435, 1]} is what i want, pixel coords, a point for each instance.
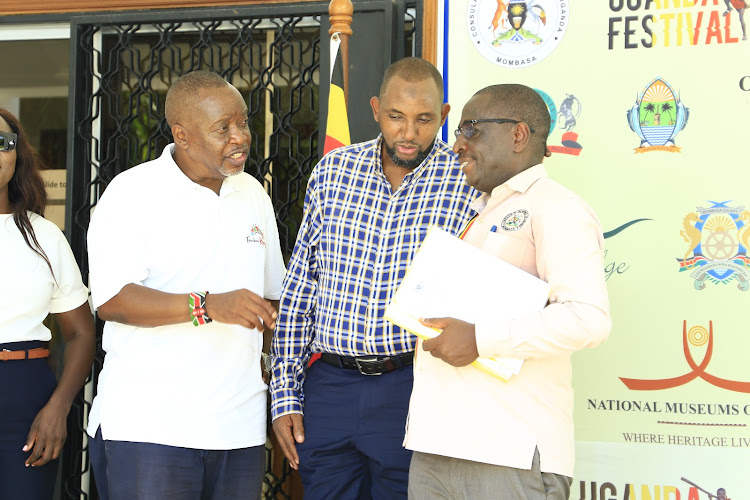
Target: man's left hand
{"type": "Point", "coordinates": [456, 345]}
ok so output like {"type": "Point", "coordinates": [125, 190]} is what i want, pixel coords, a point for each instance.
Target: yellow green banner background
{"type": "Point", "coordinates": [680, 205]}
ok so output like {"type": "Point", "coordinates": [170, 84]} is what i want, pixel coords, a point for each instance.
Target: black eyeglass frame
{"type": "Point", "coordinates": [470, 123]}
{"type": "Point", "coordinates": [8, 141]}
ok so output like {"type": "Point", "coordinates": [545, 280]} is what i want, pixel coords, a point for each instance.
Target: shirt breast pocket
{"type": "Point", "coordinates": [509, 248]}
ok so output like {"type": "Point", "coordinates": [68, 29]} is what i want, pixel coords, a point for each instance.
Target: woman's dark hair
{"type": "Point", "coordinates": [26, 191]}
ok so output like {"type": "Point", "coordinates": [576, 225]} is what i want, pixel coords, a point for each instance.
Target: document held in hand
{"type": "Point", "coordinates": [449, 278]}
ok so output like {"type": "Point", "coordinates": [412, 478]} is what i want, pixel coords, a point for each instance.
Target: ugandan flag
{"type": "Point", "coordinates": [337, 124]}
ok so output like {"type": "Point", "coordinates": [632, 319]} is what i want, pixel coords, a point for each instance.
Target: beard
{"type": "Point", "coordinates": [414, 162]}
{"type": "Point", "coordinates": [226, 172]}
{"type": "Point", "coordinates": [230, 173]}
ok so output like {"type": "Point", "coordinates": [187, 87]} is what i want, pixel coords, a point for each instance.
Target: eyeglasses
{"type": "Point", "coordinates": [7, 141]}
{"type": "Point", "coordinates": [467, 128]}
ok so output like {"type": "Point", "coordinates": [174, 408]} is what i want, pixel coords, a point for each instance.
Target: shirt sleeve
{"type": "Point", "coordinates": [569, 256]}
{"type": "Point", "coordinates": [290, 351]}
{"type": "Point", "coordinates": [69, 291]}
{"type": "Point", "coordinates": [116, 245]}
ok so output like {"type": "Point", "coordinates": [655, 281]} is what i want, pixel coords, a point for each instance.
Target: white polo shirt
{"type": "Point", "coordinates": [29, 291]}
{"type": "Point", "coordinates": [181, 385]}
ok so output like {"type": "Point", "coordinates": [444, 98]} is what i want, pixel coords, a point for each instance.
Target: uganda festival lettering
{"type": "Point", "coordinates": [606, 490]}
{"type": "Point", "coordinates": [671, 23]}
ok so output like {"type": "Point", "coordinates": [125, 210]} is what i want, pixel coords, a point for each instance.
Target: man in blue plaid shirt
{"type": "Point", "coordinates": [368, 207]}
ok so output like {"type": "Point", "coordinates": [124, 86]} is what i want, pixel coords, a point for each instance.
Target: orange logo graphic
{"type": "Point", "coordinates": [698, 337]}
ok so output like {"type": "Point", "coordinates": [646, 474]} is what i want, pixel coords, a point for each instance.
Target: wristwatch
{"type": "Point", "coordinates": [265, 362]}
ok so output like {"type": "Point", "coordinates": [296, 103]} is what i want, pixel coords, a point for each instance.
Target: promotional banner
{"type": "Point", "coordinates": [648, 101]}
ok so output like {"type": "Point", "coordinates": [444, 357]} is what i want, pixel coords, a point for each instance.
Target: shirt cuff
{"type": "Point", "coordinates": [69, 302]}
{"type": "Point", "coordinates": [284, 402]}
{"type": "Point", "coordinates": [493, 341]}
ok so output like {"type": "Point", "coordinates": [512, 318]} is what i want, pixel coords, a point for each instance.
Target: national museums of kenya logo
{"type": "Point", "coordinates": [516, 34]}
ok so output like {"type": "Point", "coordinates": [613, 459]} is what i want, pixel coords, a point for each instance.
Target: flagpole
{"type": "Point", "coordinates": [340, 15]}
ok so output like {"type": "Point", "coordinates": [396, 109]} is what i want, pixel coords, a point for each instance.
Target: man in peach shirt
{"type": "Point", "coordinates": [473, 435]}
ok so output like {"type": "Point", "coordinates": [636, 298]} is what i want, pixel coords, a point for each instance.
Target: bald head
{"type": "Point", "coordinates": [412, 69]}
{"type": "Point", "coordinates": [184, 92]}
{"type": "Point", "coordinates": [519, 102]}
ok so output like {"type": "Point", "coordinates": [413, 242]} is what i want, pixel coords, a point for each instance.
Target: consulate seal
{"type": "Point", "coordinates": [516, 34]}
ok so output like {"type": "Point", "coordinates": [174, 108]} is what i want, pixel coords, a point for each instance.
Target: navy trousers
{"type": "Point", "coordinates": [26, 387]}
{"type": "Point", "coordinates": [354, 433]}
{"type": "Point", "coordinates": [126, 470]}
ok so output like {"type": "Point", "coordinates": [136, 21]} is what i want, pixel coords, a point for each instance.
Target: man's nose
{"type": "Point", "coordinates": [460, 144]}
{"type": "Point", "coordinates": [239, 135]}
{"type": "Point", "coordinates": [410, 130]}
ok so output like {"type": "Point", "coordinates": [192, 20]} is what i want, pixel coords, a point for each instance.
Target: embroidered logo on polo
{"type": "Point", "coordinates": [256, 235]}
{"type": "Point", "coordinates": [514, 220]}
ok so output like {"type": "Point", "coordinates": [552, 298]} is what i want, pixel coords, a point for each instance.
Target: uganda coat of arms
{"type": "Point", "coordinates": [515, 33]}
{"type": "Point", "coordinates": [718, 237]}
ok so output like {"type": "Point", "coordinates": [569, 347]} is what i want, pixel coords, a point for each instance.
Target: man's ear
{"type": "Point", "coordinates": [444, 110]}
{"type": "Point", "coordinates": [375, 105]}
{"type": "Point", "coordinates": [180, 135]}
{"type": "Point", "coordinates": [522, 137]}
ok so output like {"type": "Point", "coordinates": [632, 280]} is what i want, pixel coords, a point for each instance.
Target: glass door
{"type": "Point", "coordinates": [34, 87]}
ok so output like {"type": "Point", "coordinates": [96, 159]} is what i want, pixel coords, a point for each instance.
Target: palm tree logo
{"type": "Point", "coordinates": [666, 107]}
{"type": "Point", "coordinates": [650, 108]}
{"type": "Point", "coordinates": [660, 101]}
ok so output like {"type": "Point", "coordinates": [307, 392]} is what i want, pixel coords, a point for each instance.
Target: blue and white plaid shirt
{"type": "Point", "coordinates": [354, 246]}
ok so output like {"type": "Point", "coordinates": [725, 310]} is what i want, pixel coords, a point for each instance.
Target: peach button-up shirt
{"type": "Point", "coordinates": [545, 229]}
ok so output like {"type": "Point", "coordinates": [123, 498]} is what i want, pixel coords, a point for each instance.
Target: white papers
{"type": "Point", "coordinates": [451, 278]}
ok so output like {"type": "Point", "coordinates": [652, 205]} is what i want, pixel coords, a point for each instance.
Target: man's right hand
{"type": "Point", "coordinates": [289, 431]}
{"type": "Point", "coordinates": [241, 307]}
{"type": "Point", "coordinates": [138, 305]}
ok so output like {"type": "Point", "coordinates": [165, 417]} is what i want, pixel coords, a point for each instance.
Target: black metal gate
{"type": "Point", "coordinates": [121, 67]}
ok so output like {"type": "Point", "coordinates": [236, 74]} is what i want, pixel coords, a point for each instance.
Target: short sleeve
{"type": "Point", "coordinates": [69, 291]}
{"type": "Point", "coordinates": [116, 246]}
